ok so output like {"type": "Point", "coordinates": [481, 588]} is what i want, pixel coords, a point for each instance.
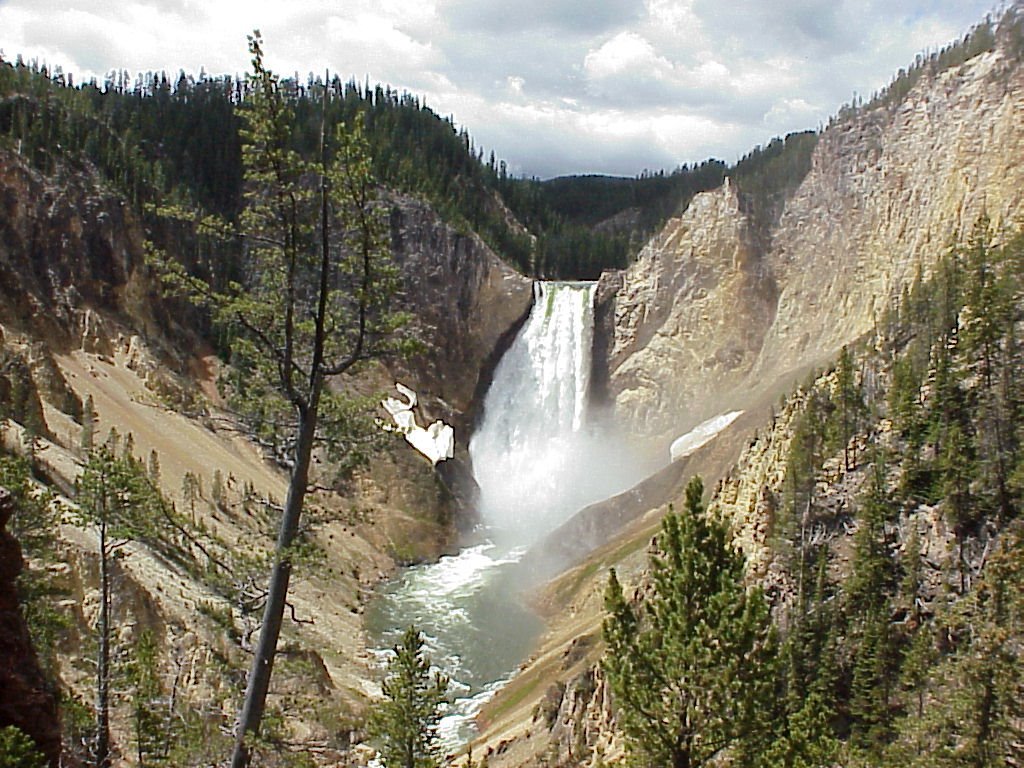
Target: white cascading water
{"type": "Point", "coordinates": [530, 452]}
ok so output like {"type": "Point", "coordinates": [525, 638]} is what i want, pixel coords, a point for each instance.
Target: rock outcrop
{"type": "Point", "coordinates": [26, 702]}
{"type": "Point", "coordinates": [68, 248]}
{"type": "Point", "coordinates": [710, 313]}
{"type": "Point", "coordinates": [690, 315]}
{"type": "Point", "coordinates": [466, 305]}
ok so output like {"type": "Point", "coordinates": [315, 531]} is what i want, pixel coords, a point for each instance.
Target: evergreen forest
{"type": "Point", "coordinates": [176, 140]}
{"type": "Point", "coordinates": [897, 584]}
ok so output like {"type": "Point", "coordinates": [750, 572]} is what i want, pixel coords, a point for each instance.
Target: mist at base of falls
{"type": "Point", "coordinates": [538, 456]}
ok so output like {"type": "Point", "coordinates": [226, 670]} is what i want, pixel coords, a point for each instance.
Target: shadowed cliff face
{"type": "Point", "coordinates": [67, 247]}
{"type": "Point", "coordinates": [710, 314]}
{"type": "Point", "coordinates": [464, 302]}
{"type": "Point", "coordinates": [81, 316]}
{"type": "Point", "coordinates": [26, 703]}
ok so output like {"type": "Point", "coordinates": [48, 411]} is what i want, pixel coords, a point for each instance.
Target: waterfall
{"type": "Point", "coordinates": [533, 454]}
{"type": "Point", "coordinates": [538, 459]}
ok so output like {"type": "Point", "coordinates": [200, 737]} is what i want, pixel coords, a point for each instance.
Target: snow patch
{"type": "Point", "coordinates": [436, 442]}
{"type": "Point", "coordinates": [702, 434]}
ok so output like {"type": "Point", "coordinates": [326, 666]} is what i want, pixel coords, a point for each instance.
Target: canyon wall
{"type": "Point", "coordinates": [465, 304]}
{"type": "Point", "coordinates": [724, 311]}
{"type": "Point", "coordinates": [81, 317]}
{"type": "Point", "coordinates": [713, 311]}
{"type": "Point", "coordinates": [68, 249]}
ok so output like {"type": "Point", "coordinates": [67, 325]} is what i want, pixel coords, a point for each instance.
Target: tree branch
{"type": "Point", "coordinates": [296, 619]}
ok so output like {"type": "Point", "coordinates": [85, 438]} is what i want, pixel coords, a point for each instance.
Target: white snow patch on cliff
{"type": "Point", "coordinates": [702, 434]}
{"type": "Point", "coordinates": [436, 442]}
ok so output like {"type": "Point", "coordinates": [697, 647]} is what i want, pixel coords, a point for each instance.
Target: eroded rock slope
{"type": "Point", "coordinates": [81, 318]}
{"type": "Point", "coordinates": [710, 313]}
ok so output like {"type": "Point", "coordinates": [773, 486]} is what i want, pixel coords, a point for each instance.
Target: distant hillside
{"type": "Point", "coordinates": [159, 138]}
{"type": "Point", "coordinates": [593, 223]}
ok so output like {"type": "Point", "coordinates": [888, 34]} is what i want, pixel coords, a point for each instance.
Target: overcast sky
{"type": "Point", "coordinates": [553, 86]}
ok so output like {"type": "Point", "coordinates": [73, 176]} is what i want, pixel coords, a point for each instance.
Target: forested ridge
{"type": "Point", "coordinates": [160, 139]}
{"type": "Point", "coordinates": [912, 636]}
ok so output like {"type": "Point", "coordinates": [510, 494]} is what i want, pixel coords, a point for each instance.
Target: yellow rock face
{"type": "Point", "coordinates": [710, 314]}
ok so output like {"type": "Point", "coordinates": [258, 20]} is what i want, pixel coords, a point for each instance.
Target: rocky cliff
{"type": "Point", "coordinates": [68, 248]}
{"type": "Point", "coordinates": [466, 305]}
{"type": "Point", "coordinates": [710, 312]}
{"type": "Point", "coordinates": [81, 318]}
{"type": "Point", "coordinates": [689, 316]}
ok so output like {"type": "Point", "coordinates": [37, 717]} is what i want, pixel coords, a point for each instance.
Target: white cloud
{"type": "Point", "coordinates": [787, 112]}
{"type": "Point", "coordinates": [554, 86]}
{"type": "Point", "coordinates": [381, 46]}
{"type": "Point", "coordinates": [674, 16]}
{"type": "Point", "coordinates": [626, 53]}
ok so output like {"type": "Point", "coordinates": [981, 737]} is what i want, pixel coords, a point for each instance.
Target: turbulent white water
{"type": "Point", "coordinates": [533, 454]}
{"type": "Point", "coordinates": [476, 627]}
{"type": "Point", "coordinates": [538, 460]}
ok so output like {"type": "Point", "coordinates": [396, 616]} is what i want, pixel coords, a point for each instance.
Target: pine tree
{"type": "Point", "coordinates": [806, 454]}
{"type": "Point", "coordinates": [405, 724]}
{"type": "Point", "coordinates": [808, 651]}
{"type": "Point", "coordinates": [808, 741]}
{"type": "Point", "coordinates": [908, 416]}
{"type": "Point", "coordinates": [153, 468]}
{"type": "Point", "coordinates": [872, 579]}
{"type": "Point", "coordinates": [957, 470]}
{"type": "Point", "coordinates": [115, 498]}
{"type": "Point", "coordinates": [849, 410]}
{"type": "Point", "coordinates": [128, 449]}
{"type": "Point", "coordinates": [312, 305]}
{"type": "Point", "coordinates": [691, 667]}
{"type": "Point", "coordinates": [191, 491]}
{"type": "Point", "coordinates": [150, 719]}
{"type": "Point", "coordinates": [88, 424]}
{"type": "Point", "coordinates": [983, 317]}
{"type": "Point", "coordinates": [869, 690]}
{"type": "Point", "coordinates": [869, 589]}
{"type": "Point", "coordinates": [18, 750]}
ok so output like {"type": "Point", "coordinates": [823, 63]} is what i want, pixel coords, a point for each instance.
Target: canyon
{"type": "Point", "coordinates": [726, 309]}
{"type": "Point", "coordinates": [720, 314]}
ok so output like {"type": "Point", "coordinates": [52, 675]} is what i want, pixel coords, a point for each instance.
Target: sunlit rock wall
{"type": "Point", "coordinates": [691, 315]}
{"type": "Point", "coordinates": [710, 314]}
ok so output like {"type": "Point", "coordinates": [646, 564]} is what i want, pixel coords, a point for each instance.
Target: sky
{"type": "Point", "coordinates": [554, 87]}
